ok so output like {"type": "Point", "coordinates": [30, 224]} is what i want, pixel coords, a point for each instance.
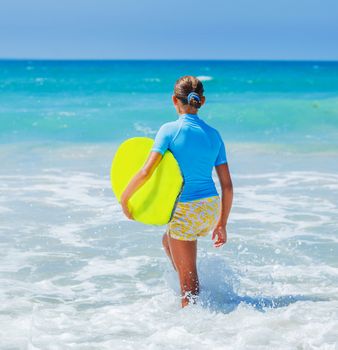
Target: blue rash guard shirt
{"type": "Point", "coordinates": [197, 147]}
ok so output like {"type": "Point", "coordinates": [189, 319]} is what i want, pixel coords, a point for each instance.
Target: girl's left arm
{"type": "Point", "coordinates": [139, 179]}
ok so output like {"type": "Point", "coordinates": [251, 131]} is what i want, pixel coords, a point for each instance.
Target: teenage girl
{"type": "Point", "coordinates": [198, 148]}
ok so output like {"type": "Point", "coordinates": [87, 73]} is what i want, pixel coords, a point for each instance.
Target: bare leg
{"type": "Point", "coordinates": [166, 247]}
{"type": "Point", "coordinates": [184, 255]}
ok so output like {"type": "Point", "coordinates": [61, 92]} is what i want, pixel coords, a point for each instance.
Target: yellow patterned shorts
{"type": "Point", "coordinates": [194, 219]}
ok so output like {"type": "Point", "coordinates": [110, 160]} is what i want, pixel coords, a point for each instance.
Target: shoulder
{"type": "Point", "coordinates": [211, 130]}
{"type": "Point", "coordinates": [164, 136]}
{"type": "Point", "coordinates": [169, 127]}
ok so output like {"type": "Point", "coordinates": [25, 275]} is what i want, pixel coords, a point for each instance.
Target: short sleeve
{"type": "Point", "coordinates": [221, 157]}
{"type": "Point", "coordinates": [162, 139]}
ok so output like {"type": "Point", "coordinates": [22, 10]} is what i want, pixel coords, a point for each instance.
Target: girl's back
{"type": "Point", "coordinates": [197, 147]}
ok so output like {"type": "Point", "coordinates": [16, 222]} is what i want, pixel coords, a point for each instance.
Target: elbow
{"type": "Point", "coordinates": [227, 188]}
{"type": "Point", "coordinates": [145, 173]}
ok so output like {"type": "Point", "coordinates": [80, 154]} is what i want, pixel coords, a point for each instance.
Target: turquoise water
{"type": "Point", "coordinates": [90, 101]}
{"type": "Point", "coordinates": [76, 274]}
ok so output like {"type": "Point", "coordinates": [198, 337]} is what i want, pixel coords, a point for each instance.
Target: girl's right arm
{"type": "Point", "coordinates": [226, 203]}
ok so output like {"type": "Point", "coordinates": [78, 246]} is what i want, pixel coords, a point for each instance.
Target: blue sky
{"type": "Point", "coordinates": [157, 29]}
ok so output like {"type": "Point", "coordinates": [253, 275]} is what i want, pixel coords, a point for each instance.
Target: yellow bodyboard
{"type": "Point", "coordinates": [155, 201]}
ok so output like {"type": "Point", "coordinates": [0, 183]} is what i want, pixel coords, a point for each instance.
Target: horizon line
{"type": "Point", "coordinates": [173, 59]}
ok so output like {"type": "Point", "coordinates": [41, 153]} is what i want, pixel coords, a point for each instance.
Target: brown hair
{"type": "Point", "coordinates": [184, 86]}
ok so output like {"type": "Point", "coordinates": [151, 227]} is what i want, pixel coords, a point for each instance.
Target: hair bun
{"type": "Point", "coordinates": [193, 95]}
{"type": "Point", "coordinates": [194, 99]}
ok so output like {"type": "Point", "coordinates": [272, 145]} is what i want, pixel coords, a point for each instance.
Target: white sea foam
{"type": "Point", "coordinates": [40, 80]}
{"type": "Point", "coordinates": [66, 114]}
{"type": "Point", "coordinates": [146, 130]}
{"type": "Point", "coordinates": [152, 80]}
{"type": "Point", "coordinates": [204, 77]}
{"type": "Point", "coordinates": [75, 273]}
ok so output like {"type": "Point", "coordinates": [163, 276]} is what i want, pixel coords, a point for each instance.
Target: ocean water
{"type": "Point", "coordinates": [76, 274]}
